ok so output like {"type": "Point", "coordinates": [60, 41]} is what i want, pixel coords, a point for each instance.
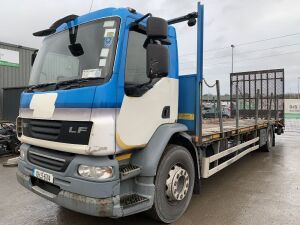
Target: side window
{"type": "Point", "coordinates": [135, 72]}
{"type": "Point", "coordinates": [137, 82]}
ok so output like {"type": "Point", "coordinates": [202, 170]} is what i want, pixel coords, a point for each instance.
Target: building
{"type": "Point", "coordinates": [15, 66]}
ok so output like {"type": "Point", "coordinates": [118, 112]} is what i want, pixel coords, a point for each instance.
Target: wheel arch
{"type": "Point", "coordinates": [148, 158]}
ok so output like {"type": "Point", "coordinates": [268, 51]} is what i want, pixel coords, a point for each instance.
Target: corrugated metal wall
{"type": "Point", "coordinates": [11, 103]}
{"type": "Point", "coordinates": [15, 76]}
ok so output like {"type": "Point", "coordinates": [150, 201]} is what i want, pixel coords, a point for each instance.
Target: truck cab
{"type": "Point", "coordinates": [102, 91]}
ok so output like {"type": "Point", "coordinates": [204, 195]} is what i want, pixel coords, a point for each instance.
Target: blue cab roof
{"type": "Point", "coordinates": [107, 12]}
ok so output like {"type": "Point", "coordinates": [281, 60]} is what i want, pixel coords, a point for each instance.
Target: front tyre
{"type": "Point", "coordinates": [174, 184]}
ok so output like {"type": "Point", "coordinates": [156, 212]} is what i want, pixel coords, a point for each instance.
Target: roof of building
{"type": "Point", "coordinates": [17, 46]}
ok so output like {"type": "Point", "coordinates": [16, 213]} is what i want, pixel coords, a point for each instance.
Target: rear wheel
{"type": "Point", "coordinates": [270, 139]}
{"type": "Point", "coordinates": [174, 184]}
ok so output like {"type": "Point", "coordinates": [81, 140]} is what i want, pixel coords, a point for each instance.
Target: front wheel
{"type": "Point", "coordinates": [174, 184]}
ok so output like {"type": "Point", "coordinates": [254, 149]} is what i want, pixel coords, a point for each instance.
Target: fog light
{"type": "Point", "coordinates": [22, 154]}
{"type": "Point", "coordinates": [102, 172]}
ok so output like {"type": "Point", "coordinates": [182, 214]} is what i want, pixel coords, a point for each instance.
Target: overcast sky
{"type": "Point", "coordinates": [227, 22]}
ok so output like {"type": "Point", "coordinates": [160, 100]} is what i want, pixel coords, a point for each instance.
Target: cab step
{"type": "Point", "coordinates": [132, 200]}
{"type": "Point", "coordinates": [129, 171]}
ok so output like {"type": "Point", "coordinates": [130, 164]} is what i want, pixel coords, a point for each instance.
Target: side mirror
{"type": "Point", "coordinates": [33, 56]}
{"type": "Point", "coordinates": [157, 28]}
{"type": "Point", "coordinates": [157, 61]}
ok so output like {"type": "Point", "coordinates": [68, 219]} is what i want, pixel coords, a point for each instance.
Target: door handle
{"type": "Point", "coordinates": [165, 112]}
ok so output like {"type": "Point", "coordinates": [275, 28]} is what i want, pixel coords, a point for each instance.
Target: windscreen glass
{"type": "Point", "coordinates": [55, 62]}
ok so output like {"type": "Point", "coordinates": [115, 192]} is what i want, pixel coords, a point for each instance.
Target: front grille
{"type": "Point", "coordinates": [50, 159]}
{"type": "Point", "coordinates": [72, 132]}
{"type": "Point", "coordinates": [45, 129]}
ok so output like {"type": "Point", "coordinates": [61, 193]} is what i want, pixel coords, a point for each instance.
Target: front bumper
{"type": "Point", "coordinates": [96, 198]}
{"type": "Point", "coordinates": [103, 207]}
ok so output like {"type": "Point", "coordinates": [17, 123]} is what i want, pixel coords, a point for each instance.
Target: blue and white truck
{"type": "Point", "coordinates": [109, 128]}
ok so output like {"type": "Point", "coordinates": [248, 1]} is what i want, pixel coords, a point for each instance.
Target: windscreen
{"type": "Point", "coordinates": [55, 62]}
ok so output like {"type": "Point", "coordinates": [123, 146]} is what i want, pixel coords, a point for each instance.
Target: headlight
{"type": "Point", "coordinates": [22, 154]}
{"type": "Point", "coordinates": [102, 172]}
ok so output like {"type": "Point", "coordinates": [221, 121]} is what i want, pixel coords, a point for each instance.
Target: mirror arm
{"type": "Point", "coordinates": [142, 18]}
{"type": "Point", "coordinates": [136, 22]}
{"type": "Point", "coordinates": [193, 15]}
{"type": "Point", "coordinates": [162, 42]}
{"type": "Point", "coordinates": [73, 35]}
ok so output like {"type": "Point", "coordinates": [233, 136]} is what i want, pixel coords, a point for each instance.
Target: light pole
{"type": "Point", "coordinates": [298, 88]}
{"type": "Point", "coordinates": [91, 6]}
{"type": "Point", "coordinates": [232, 47]}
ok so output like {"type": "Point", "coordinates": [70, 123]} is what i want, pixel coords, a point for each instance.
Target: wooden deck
{"type": "Point", "coordinates": [211, 128]}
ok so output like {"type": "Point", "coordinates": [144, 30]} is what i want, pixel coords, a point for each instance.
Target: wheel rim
{"type": "Point", "coordinates": [177, 184]}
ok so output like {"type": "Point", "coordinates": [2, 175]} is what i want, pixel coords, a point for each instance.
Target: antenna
{"type": "Point", "coordinates": [91, 6]}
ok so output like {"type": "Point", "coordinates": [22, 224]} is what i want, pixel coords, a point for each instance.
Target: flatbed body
{"type": "Point", "coordinates": [211, 127]}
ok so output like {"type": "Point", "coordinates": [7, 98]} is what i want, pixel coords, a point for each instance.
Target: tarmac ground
{"type": "Point", "coordinates": [261, 188]}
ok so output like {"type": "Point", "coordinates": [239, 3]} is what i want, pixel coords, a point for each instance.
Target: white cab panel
{"type": "Point", "coordinates": [139, 117]}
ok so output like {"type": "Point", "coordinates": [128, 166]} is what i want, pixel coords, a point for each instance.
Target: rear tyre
{"type": "Point", "coordinates": [174, 184]}
{"type": "Point", "coordinates": [270, 141]}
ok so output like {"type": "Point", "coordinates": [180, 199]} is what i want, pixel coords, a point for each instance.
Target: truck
{"type": "Point", "coordinates": [109, 128]}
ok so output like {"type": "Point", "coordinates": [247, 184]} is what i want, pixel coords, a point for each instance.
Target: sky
{"type": "Point", "coordinates": [265, 33]}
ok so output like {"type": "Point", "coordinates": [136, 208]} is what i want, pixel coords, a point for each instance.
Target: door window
{"type": "Point", "coordinates": [135, 72]}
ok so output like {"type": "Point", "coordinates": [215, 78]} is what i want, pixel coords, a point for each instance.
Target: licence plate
{"type": "Point", "coordinates": [43, 175]}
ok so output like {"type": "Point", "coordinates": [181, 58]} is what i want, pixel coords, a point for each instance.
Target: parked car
{"type": "Point", "coordinates": [210, 110]}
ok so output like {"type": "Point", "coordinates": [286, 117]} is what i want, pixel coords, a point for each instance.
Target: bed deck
{"type": "Point", "coordinates": [211, 127]}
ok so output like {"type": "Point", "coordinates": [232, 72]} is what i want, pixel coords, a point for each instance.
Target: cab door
{"type": "Point", "coordinates": [145, 106]}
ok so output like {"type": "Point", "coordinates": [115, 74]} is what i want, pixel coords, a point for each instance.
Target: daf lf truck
{"type": "Point", "coordinates": [109, 128]}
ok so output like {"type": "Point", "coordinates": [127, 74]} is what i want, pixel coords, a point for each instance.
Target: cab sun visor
{"type": "Point", "coordinates": [54, 26]}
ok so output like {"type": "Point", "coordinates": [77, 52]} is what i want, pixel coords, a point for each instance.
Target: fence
{"type": "Point", "coordinates": [260, 92]}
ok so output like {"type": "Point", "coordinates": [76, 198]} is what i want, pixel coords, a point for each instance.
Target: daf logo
{"type": "Point", "coordinates": [79, 130]}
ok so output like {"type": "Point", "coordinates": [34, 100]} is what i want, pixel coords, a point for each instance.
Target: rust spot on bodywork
{"type": "Point", "coordinates": [106, 206]}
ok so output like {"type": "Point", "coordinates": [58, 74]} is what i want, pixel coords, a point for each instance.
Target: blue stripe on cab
{"type": "Point", "coordinates": [103, 96]}
{"type": "Point", "coordinates": [106, 94]}
{"type": "Point", "coordinates": [75, 98]}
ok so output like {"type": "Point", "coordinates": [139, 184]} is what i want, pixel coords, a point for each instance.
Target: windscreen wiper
{"type": "Point", "coordinates": [31, 88]}
{"type": "Point", "coordinates": [75, 82]}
